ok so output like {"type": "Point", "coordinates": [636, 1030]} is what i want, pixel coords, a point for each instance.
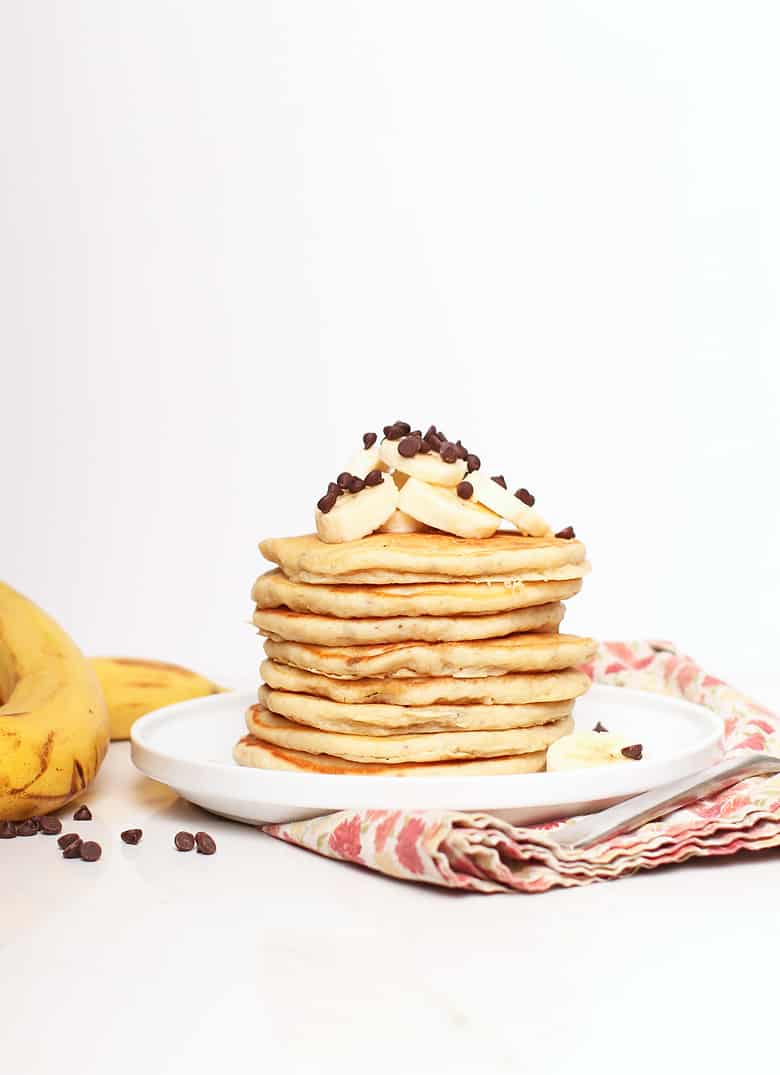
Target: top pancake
{"type": "Point", "coordinates": [439, 555]}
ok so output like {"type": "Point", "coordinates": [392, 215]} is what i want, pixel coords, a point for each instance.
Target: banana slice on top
{"type": "Point", "coordinates": [355, 515]}
{"type": "Point", "coordinates": [365, 460]}
{"type": "Point", "coordinates": [509, 507]}
{"type": "Point", "coordinates": [429, 467]}
{"type": "Point", "coordinates": [586, 750]}
{"type": "Point", "coordinates": [443, 509]}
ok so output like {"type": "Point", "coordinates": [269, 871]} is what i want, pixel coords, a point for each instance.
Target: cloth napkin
{"type": "Point", "coordinates": [479, 853]}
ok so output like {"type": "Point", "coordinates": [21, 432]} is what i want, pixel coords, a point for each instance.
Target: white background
{"type": "Point", "coordinates": [233, 237]}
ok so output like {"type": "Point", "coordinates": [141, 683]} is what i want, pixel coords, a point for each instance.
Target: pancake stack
{"type": "Point", "coordinates": [415, 654]}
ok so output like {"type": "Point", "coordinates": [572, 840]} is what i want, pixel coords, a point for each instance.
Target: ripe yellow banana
{"type": "Point", "coordinates": [53, 719]}
{"type": "Point", "coordinates": [133, 687]}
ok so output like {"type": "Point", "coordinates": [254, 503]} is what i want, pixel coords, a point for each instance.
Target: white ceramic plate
{"type": "Point", "coordinates": [189, 745]}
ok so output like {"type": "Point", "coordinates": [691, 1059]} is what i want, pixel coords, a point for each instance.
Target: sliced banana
{"type": "Point", "coordinates": [401, 523]}
{"type": "Point", "coordinates": [443, 509]}
{"type": "Point", "coordinates": [428, 468]}
{"type": "Point", "coordinates": [354, 515]}
{"type": "Point", "coordinates": [365, 460]}
{"type": "Point", "coordinates": [586, 750]}
{"type": "Point", "coordinates": [503, 503]}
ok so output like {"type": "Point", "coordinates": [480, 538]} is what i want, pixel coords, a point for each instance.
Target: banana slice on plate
{"type": "Point", "coordinates": [354, 515]}
{"type": "Point", "coordinates": [443, 509]}
{"type": "Point", "coordinates": [428, 468]}
{"type": "Point", "coordinates": [586, 750]}
{"type": "Point", "coordinates": [401, 523]}
{"type": "Point", "coordinates": [509, 507]}
{"type": "Point", "coordinates": [365, 460]}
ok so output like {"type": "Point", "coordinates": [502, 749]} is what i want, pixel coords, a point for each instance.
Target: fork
{"type": "Point", "coordinates": [630, 814]}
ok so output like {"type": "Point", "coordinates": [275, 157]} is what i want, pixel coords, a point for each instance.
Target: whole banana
{"type": "Point", "coordinates": [53, 719]}
{"type": "Point", "coordinates": [133, 687]}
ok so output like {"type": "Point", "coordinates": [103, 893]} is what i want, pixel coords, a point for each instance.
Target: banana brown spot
{"type": "Point", "coordinates": [44, 754]}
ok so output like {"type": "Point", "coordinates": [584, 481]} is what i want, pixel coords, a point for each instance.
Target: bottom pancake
{"type": "Point", "coordinates": [255, 753]}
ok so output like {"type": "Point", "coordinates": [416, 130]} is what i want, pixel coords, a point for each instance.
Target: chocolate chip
{"type": "Point", "coordinates": [462, 453]}
{"type": "Point", "coordinates": [472, 462]}
{"type": "Point", "coordinates": [526, 497]}
{"type": "Point", "coordinates": [83, 813]}
{"type": "Point", "coordinates": [369, 440]}
{"type": "Point", "coordinates": [465, 490]}
{"type": "Point", "coordinates": [567, 533]}
{"type": "Point", "coordinates": [90, 851]}
{"type": "Point", "coordinates": [599, 727]}
{"type": "Point", "coordinates": [409, 446]}
{"type": "Point", "coordinates": [69, 838]}
{"type": "Point", "coordinates": [7, 830]}
{"type": "Point", "coordinates": [448, 452]}
{"type": "Point", "coordinates": [29, 827]}
{"type": "Point", "coordinates": [374, 477]}
{"type": "Point", "coordinates": [335, 489]}
{"type": "Point", "coordinates": [73, 849]}
{"type": "Point", "coordinates": [356, 485]}
{"type": "Point", "coordinates": [50, 826]}
{"type": "Point", "coordinates": [633, 752]}
{"type": "Point", "coordinates": [325, 504]}
{"type": "Point", "coordinates": [431, 431]}
{"type": "Point", "coordinates": [184, 841]}
{"type": "Point", "coordinates": [206, 844]}
{"type": "Point", "coordinates": [132, 836]}
{"type": "Point", "coordinates": [425, 447]}
{"type": "Point", "coordinates": [499, 479]}
{"type": "Point", "coordinates": [397, 430]}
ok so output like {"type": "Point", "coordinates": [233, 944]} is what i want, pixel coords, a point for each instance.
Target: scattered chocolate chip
{"type": "Point", "coordinates": [132, 836]}
{"type": "Point", "coordinates": [462, 453]}
{"type": "Point", "coordinates": [184, 841]}
{"type": "Point", "coordinates": [633, 752]}
{"type": "Point", "coordinates": [50, 826]}
{"type": "Point", "coordinates": [465, 490]}
{"type": "Point", "coordinates": [567, 533]}
{"type": "Point", "coordinates": [206, 844]}
{"type": "Point", "coordinates": [69, 838]}
{"type": "Point", "coordinates": [526, 497]}
{"type": "Point", "coordinates": [374, 477]}
{"type": "Point", "coordinates": [29, 827]}
{"type": "Point", "coordinates": [356, 485]}
{"type": "Point", "coordinates": [448, 452]}
{"type": "Point", "coordinates": [472, 462]}
{"type": "Point", "coordinates": [325, 504]}
{"type": "Point", "coordinates": [73, 849]}
{"type": "Point", "coordinates": [599, 727]}
{"type": "Point", "coordinates": [369, 440]}
{"type": "Point", "coordinates": [7, 830]}
{"type": "Point", "coordinates": [499, 479]}
{"type": "Point", "coordinates": [83, 813]}
{"type": "Point", "coordinates": [409, 446]}
{"type": "Point", "coordinates": [90, 851]}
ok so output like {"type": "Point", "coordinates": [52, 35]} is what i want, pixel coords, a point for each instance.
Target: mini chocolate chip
{"type": "Point", "coordinates": [132, 836]}
{"type": "Point", "coordinates": [397, 430]}
{"type": "Point", "coordinates": [448, 452]}
{"type": "Point", "coordinates": [462, 453]}
{"type": "Point", "coordinates": [567, 533]}
{"type": "Point", "coordinates": [431, 431]}
{"type": "Point", "coordinates": [369, 440]}
{"type": "Point", "coordinates": [7, 830]}
{"type": "Point", "coordinates": [73, 849]}
{"type": "Point", "coordinates": [374, 477]}
{"type": "Point", "coordinates": [335, 489]}
{"type": "Point", "coordinates": [344, 479]}
{"type": "Point", "coordinates": [403, 428]}
{"type": "Point", "coordinates": [416, 433]}
{"type": "Point", "coordinates": [433, 443]}
{"type": "Point", "coordinates": [633, 752]}
{"type": "Point", "coordinates": [27, 828]}
{"type": "Point", "coordinates": [424, 447]}
{"type": "Point", "coordinates": [83, 813]}
{"type": "Point", "coordinates": [69, 838]}
{"type": "Point", "coordinates": [409, 446]}
{"type": "Point", "coordinates": [465, 490]}
{"type": "Point", "coordinates": [90, 851]}
{"type": "Point", "coordinates": [206, 844]}
{"type": "Point", "coordinates": [499, 479]}
{"type": "Point", "coordinates": [599, 727]}
{"type": "Point", "coordinates": [472, 462]}
{"type": "Point", "coordinates": [325, 504]}
{"type": "Point", "coordinates": [526, 497]}
{"type": "Point", "coordinates": [50, 826]}
{"type": "Point", "coordinates": [356, 485]}
{"type": "Point", "coordinates": [184, 841]}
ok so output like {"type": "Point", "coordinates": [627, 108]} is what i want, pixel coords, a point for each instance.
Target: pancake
{"type": "Point", "coordinates": [437, 554]}
{"type": "Point", "coordinates": [392, 749]}
{"type": "Point", "coordinates": [426, 599]}
{"type": "Point", "coordinates": [525, 652]}
{"type": "Point", "coordinates": [253, 752]}
{"type": "Point", "coordinates": [375, 719]}
{"type": "Point", "coordinates": [512, 690]}
{"type": "Point", "coordinates": [407, 578]}
{"type": "Point", "coordinates": [281, 623]}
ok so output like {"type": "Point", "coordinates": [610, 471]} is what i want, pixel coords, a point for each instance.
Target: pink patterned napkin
{"type": "Point", "coordinates": [480, 853]}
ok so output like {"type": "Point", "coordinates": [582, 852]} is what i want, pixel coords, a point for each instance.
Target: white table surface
{"type": "Point", "coordinates": [269, 956]}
